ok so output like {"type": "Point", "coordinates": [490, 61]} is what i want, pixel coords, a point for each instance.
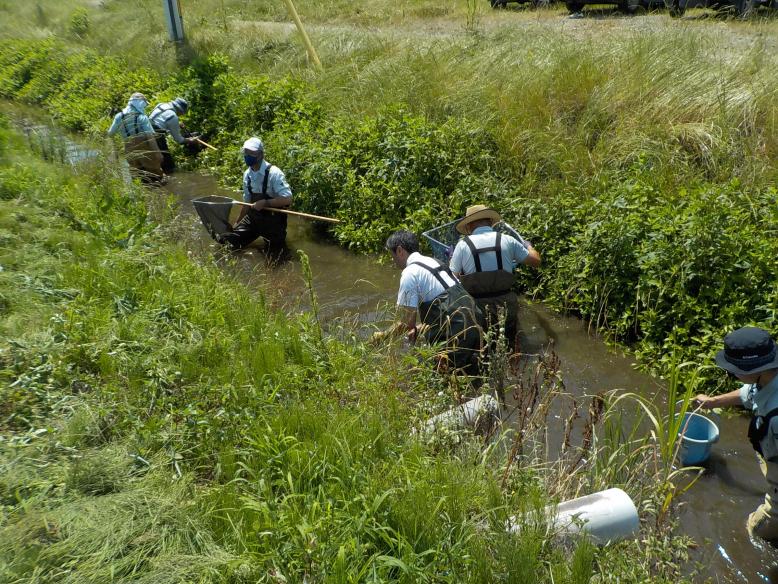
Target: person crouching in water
{"type": "Point", "coordinates": [448, 313]}
{"type": "Point", "coordinates": [265, 187]}
{"type": "Point", "coordinates": [164, 120]}
{"type": "Point", "coordinates": [751, 356]}
{"type": "Point", "coordinates": [140, 145]}
{"type": "Point", "coordinates": [484, 261]}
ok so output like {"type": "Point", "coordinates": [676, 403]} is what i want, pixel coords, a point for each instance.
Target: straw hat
{"type": "Point", "coordinates": [475, 213]}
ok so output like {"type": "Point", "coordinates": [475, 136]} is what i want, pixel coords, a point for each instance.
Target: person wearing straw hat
{"type": "Point", "coordinates": [164, 120]}
{"type": "Point", "coordinates": [751, 356]}
{"type": "Point", "coordinates": [265, 186]}
{"type": "Point", "coordinates": [430, 293]}
{"type": "Point", "coordinates": [141, 148]}
{"type": "Point", "coordinates": [484, 261]}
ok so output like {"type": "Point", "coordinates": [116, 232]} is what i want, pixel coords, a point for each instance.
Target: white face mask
{"type": "Point", "coordinates": [139, 104]}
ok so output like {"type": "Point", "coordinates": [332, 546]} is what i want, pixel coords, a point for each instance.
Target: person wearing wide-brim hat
{"type": "Point", "coordinates": [484, 261]}
{"type": "Point", "coordinates": [751, 355]}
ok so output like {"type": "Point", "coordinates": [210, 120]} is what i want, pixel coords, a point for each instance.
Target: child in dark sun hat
{"type": "Point", "coordinates": [751, 355]}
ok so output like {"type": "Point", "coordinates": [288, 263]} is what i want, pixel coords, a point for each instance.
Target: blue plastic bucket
{"type": "Point", "coordinates": [698, 434]}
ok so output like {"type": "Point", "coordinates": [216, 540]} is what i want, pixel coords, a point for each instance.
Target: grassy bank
{"type": "Point", "coordinates": [162, 423]}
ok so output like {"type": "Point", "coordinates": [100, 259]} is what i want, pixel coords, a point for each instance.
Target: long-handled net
{"type": "Point", "coordinates": [214, 212]}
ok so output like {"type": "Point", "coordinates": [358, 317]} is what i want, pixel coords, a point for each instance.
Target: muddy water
{"type": "Point", "coordinates": [713, 511]}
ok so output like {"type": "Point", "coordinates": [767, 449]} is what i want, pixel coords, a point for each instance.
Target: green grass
{"type": "Point", "coordinates": [637, 154]}
{"type": "Point", "coordinates": [165, 424]}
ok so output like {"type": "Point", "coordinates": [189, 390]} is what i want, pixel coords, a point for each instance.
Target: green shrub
{"type": "Point", "coordinates": [78, 24]}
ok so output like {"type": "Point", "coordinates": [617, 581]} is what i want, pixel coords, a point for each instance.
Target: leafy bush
{"type": "Point", "coordinates": [78, 25]}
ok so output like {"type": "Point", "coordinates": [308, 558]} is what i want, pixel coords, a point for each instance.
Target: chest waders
{"type": "Point", "coordinates": [141, 150]}
{"type": "Point", "coordinates": [492, 289]}
{"type": "Point", "coordinates": [453, 319]}
{"type": "Point", "coordinates": [160, 134]}
{"type": "Point", "coordinates": [763, 522]}
{"type": "Point", "coordinates": [271, 226]}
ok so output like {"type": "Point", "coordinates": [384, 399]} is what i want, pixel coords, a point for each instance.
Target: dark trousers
{"type": "Point", "coordinates": [506, 305]}
{"type": "Point", "coordinates": [168, 164]}
{"type": "Point", "coordinates": [271, 226]}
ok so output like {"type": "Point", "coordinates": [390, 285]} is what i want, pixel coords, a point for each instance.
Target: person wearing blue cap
{"type": "Point", "coordinates": [265, 187]}
{"type": "Point", "coordinates": [751, 356]}
{"type": "Point", "coordinates": [164, 120]}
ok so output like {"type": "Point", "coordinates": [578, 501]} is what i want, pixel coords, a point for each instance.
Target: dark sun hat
{"type": "Point", "coordinates": [748, 350]}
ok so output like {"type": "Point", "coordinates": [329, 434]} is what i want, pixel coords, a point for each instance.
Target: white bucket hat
{"type": "Point", "coordinates": [254, 144]}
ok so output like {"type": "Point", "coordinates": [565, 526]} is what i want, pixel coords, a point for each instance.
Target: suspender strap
{"type": "Point", "coordinates": [758, 429]}
{"type": "Point", "coordinates": [498, 250]}
{"type": "Point", "coordinates": [160, 109]}
{"type": "Point", "coordinates": [264, 185]}
{"type": "Point", "coordinates": [264, 182]}
{"type": "Point", "coordinates": [436, 273]}
{"type": "Point", "coordinates": [476, 252]}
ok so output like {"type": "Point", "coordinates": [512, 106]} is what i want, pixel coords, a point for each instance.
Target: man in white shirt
{"type": "Point", "coordinates": [751, 356]}
{"type": "Point", "coordinates": [265, 186]}
{"type": "Point", "coordinates": [430, 292]}
{"type": "Point", "coordinates": [484, 261]}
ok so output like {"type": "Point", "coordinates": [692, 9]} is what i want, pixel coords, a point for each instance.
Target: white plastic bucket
{"type": "Point", "coordinates": [606, 517]}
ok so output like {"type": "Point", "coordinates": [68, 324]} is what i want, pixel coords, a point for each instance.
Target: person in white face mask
{"type": "Point", "coordinates": [140, 144]}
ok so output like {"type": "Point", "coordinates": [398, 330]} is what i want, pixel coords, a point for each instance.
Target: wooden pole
{"type": "Point", "coordinates": [307, 41]}
{"type": "Point", "coordinates": [296, 213]}
{"type": "Point", "coordinates": [204, 143]}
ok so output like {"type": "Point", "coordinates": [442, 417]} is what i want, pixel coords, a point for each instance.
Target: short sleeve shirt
{"type": "Point", "coordinates": [418, 285]}
{"type": "Point", "coordinates": [277, 187]}
{"type": "Point", "coordinates": [760, 402]}
{"type": "Point", "coordinates": [513, 252]}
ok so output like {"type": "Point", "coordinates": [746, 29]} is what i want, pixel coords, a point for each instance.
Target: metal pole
{"type": "Point", "coordinates": [311, 51]}
{"type": "Point", "coordinates": [175, 25]}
